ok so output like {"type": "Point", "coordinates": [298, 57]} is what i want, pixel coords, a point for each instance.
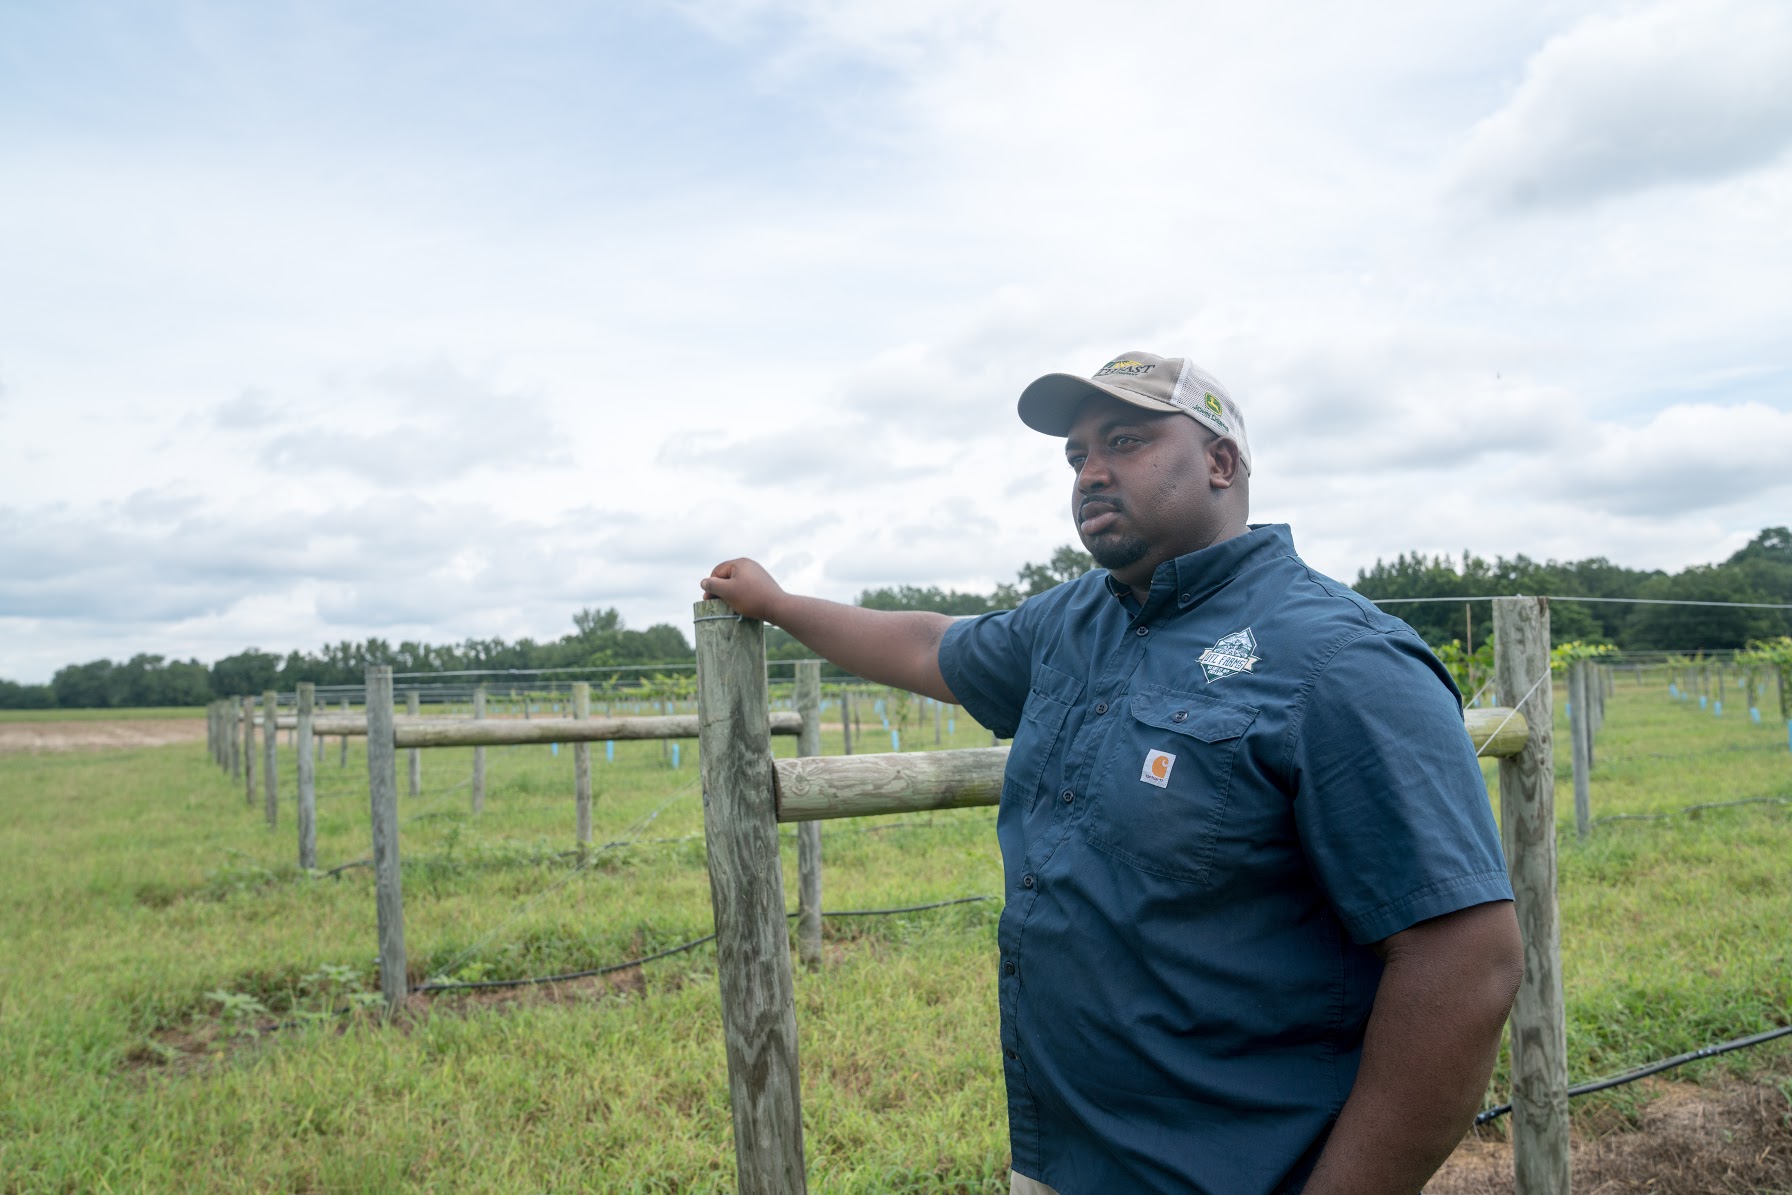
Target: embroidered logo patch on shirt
{"type": "Point", "coordinates": [1157, 768]}
{"type": "Point", "coordinates": [1231, 655]}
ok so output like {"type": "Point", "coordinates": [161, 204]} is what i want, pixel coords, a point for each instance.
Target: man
{"type": "Point", "coordinates": [1258, 935]}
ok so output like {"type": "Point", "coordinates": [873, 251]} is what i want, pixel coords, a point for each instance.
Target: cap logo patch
{"type": "Point", "coordinates": [1231, 655]}
{"type": "Point", "coordinates": [1124, 365]}
{"type": "Point", "coordinates": [1213, 404]}
{"type": "Point", "coordinates": [1157, 768]}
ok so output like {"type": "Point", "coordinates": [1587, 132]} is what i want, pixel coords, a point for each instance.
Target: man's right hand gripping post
{"type": "Point", "coordinates": [888, 647]}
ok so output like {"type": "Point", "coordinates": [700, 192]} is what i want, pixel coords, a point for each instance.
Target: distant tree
{"type": "Point", "coordinates": [14, 696]}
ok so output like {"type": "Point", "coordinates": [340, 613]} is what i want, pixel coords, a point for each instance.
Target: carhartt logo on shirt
{"type": "Point", "coordinates": [1157, 768]}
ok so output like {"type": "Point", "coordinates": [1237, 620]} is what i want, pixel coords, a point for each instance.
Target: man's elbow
{"type": "Point", "coordinates": [1503, 969]}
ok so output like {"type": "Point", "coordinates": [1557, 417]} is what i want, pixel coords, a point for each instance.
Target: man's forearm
{"type": "Point", "coordinates": [1428, 1050]}
{"type": "Point", "coordinates": [891, 647]}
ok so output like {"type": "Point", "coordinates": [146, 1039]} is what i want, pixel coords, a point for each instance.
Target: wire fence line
{"type": "Point", "coordinates": [681, 948]}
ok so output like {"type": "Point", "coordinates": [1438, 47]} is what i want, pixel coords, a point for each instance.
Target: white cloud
{"type": "Point", "coordinates": [1683, 91]}
{"type": "Point", "coordinates": [394, 344]}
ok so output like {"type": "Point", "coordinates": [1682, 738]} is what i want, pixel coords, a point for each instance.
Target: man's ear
{"type": "Point", "coordinates": [1225, 467]}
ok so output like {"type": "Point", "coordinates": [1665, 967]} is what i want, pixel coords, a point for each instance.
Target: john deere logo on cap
{"type": "Point", "coordinates": [1213, 404]}
{"type": "Point", "coordinates": [1124, 365]}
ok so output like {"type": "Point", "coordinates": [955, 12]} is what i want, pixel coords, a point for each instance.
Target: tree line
{"type": "Point", "coordinates": [1760, 572]}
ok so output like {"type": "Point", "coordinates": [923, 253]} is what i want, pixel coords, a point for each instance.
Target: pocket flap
{"type": "Point", "coordinates": [1194, 714]}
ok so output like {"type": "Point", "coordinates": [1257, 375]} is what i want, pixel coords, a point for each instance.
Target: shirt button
{"type": "Point", "coordinates": [1101, 707]}
{"type": "Point", "coordinates": [1008, 968]}
{"type": "Point", "coordinates": [1010, 1055]}
{"type": "Point", "coordinates": [1068, 796]}
{"type": "Point", "coordinates": [1179, 716]}
{"type": "Point", "coordinates": [1143, 631]}
{"type": "Point", "coordinates": [1026, 881]}
{"type": "Point", "coordinates": [1185, 597]}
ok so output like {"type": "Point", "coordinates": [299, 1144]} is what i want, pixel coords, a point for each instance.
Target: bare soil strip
{"type": "Point", "coordinates": [124, 734]}
{"type": "Point", "coordinates": [1689, 1139]}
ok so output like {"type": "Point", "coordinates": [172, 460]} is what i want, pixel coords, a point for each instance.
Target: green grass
{"type": "Point", "coordinates": [144, 898]}
{"type": "Point", "coordinates": [194, 712]}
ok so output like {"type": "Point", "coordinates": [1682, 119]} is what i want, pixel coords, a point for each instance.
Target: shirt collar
{"type": "Point", "coordinates": [1189, 579]}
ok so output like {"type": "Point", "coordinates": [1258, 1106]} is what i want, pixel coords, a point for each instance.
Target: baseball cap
{"type": "Point", "coordinates": [1144, 380]}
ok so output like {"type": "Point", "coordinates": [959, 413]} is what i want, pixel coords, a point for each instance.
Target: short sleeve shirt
{"type": "Point", "coordinates": [1214, 804]}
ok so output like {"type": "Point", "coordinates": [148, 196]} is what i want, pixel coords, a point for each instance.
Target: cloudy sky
{"type": "Point", "coordinates": [322, 320]}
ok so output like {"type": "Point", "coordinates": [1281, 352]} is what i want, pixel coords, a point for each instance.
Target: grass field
{"type": "Point", "coordinates": [156, 930]}
{"type": "Point", "coordinates": [126, 715]}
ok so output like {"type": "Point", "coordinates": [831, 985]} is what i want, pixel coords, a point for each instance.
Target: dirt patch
{"type": "Point", "coordinates": [1687, 1139]}
{"type": "Point", "coordinates": [123, 734]}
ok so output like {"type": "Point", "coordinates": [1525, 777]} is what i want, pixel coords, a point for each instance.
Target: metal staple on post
{"type": "Point", "coordinates": [307, 769]}
{"type": "Point", "coordinates": [1539, 1036]}
{"type": "Point", "coordinates": [382, 792]}
{"type": "Point", "coordinates": [808, 834]}
{"type": "Point", "coordinates": [747, 891]}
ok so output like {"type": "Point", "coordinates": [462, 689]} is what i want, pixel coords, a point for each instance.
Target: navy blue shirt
{"type": "Point", "coordinates": [1214, 804]}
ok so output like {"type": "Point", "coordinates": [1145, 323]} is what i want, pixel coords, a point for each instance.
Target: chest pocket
{"type": "Point", "coordinates": [1041, 725]}
{"type": "Point", "coordinates": [1163, 815]}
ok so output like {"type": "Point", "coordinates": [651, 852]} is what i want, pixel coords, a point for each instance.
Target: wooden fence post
{"type": "Point", "coordinates": [382, 790]}
{"type": "Point", "coordinates": [581, 766]}
{"type": "Point", "coordinates": [846, 718]}
{"type": "Point", "coordinates": [479, 752]}
{"type": "Point", "coordinates": [234, 741]}
{"type": "Point", "coordinates": [1580, 737]}
{"type": "Point", "coordinates": [307, 761]}
{"type": "Point", "coordinates": [248, 729]}
{"type": "Point", "coordinates": [808, 834]}
{"type": "Point", "coordinates": [746, 885]}
{"type": "Point", "coordinates": [270, 767]}
{"type": "Point", "coordinates": [413, 705]}
{"type": "Point", "coordinates": [342, 759]}
{"type": "Point", "coordinates": [1528, 826]}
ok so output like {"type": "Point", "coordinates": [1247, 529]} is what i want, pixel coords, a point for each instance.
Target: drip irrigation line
{"type": "Point", "coordinates": [565, 976]}
{"type": "Point", "coordinates": [1686, 809]}
{"type": "Point", "coordinates": [1653, 1068]}
{"type": "Point", "coordinates": [639, 827]}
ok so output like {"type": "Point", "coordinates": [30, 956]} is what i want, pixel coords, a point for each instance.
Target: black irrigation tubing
{"type": "Point", "coordinates": [486, 984]}
{"type": "Point", "coordinates": [1653, 1068]}
{"type": "Point", "coordinates": [1687, 809]}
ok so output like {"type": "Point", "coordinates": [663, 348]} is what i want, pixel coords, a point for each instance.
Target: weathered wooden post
{"type": "Point", "coordinates": [233, 740]}
{"type": "Point", "coordinates": [1580, 737]}
{"type": "Point", "coordinates": [939, 719]}
{"type": "Point", "coordinates": [746, 886]}
{"type": "Point", "coordinates": [249, 751]}
{"type": "Point", "coordinates": [413, 705]}
{"type": "Point", "coordinates": [382, 789]}
{"type": "Point", "coordinates": [307, 763]}
{"type": "Point", "coordinates": [342, 759]}
{"type": "Point", "coordinates": [581, 767]}
{"type": "Point", "coordinates": [808, 834]}
{"type": "Point", "coordinates": [270, 766]}
{"type": "Point", "coordinates": [479, 752]}
{"type": "Point", "coordinates": [846, 718]}
{"type": "Point", "coordinates": [1528, 827]}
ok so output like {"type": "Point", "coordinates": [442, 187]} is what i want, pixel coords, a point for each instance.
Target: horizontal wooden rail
{"type": "Point", "coordinates": [509, 732]}
{"type": "Point", "coordinates": [830, 786]}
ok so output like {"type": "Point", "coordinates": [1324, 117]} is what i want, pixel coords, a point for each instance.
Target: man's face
{"type": "Point", "coordinates": [1144, 488]}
